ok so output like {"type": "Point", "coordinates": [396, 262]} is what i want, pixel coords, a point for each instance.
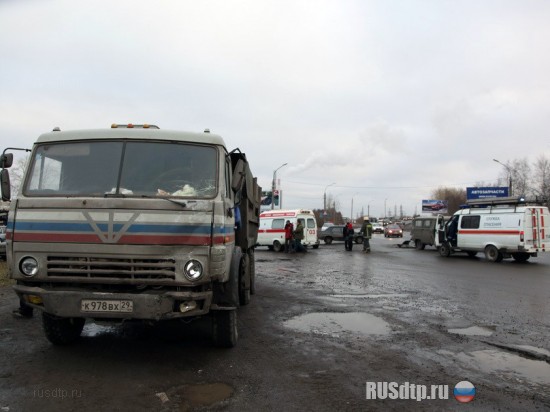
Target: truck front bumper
{"type": "Point", "coordinates": [146, 306]}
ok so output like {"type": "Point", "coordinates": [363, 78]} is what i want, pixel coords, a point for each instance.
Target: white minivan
{"type": "Point", "coordinates": [498, 227]}
{"type": "Point", "coordinates": [272, 228]}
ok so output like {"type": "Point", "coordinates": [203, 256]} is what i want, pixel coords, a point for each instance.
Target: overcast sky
{"type": "Point", "coordinates": [386, 99]}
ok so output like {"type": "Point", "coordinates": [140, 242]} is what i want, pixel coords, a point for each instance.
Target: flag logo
{"type": "Point", "coordinates": [464, 392]}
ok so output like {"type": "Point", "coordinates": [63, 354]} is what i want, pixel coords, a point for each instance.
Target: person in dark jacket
{"type": "Point", "coordinates": [289, 240]}
{"type": "Point", "coordinates": [348, 236]}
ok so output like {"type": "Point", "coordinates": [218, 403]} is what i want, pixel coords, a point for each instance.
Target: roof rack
{"type": "Point", "coordinates": [134, 126]}
{"type": "Point", "coordinates": [491, 201]}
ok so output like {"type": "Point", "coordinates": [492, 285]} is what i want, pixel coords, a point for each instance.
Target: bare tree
{"type": "Point", "coordinates": [541, 185]}
{"type": "Point", "coordinates": [454, 197]}
{"type": "Point", "coordinates": [519, 171]}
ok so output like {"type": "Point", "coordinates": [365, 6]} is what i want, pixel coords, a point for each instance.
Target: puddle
{"type": "Point", "coordinates": [533, 349]}
{"type": "Point", "coordinates": [367, 296]}
{"type": "Point", "coordinates": [334, 324]}
{"type": "Point", "coordinates": [206, 394]}
{"type": "Point", "coordinates": [472, 331]}
{"type": "Point", "coordinates": [93, 329]}
{"type": "Point", "coordinates": [508, 364]}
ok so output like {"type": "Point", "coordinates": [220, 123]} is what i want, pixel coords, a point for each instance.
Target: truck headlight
{"type": "Point", "coordinates": [193, 270]}
{"type": "Point", "coordinates": [29, 266]}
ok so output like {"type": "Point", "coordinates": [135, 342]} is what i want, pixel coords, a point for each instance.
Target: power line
{"type": "Point", "coordinates": [382, 187]}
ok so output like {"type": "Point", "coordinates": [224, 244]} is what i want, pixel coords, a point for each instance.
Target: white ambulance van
{"type": "Point", "coordinates": [272, 228]}
{"type": "Point", "coordinates": [498, 227]}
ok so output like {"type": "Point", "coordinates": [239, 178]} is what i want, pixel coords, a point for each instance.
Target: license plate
{"type": "Point", "coordinates": [106, 306]}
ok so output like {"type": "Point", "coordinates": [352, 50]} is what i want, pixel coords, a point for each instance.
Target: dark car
{"type": "Point", "coordinates": [393, 231]}
{"type": "Point", "coordinates": [336, 232]}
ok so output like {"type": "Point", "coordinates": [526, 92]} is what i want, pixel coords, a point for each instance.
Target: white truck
{"type": "Point", "coordinates": [498, 227]}
{"type": "Point", "coordinates": [133, 223]}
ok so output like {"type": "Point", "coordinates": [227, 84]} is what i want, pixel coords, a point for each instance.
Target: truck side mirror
{"type": "Point", "coordinates": [5, 185]}
{"type": "Point", "coordinates": [6, 160]}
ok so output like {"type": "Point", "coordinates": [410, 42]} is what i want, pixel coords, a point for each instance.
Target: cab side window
{"type": "Point", "coordinates": [470, 222]}
{"type": "Point", "coordinates": [278, 224]}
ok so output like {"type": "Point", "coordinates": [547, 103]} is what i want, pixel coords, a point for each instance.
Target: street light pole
{"type": "Point", "coordinates": [368, 209]}
{"type": "Point", "coordinates": [509, 176]}
{"type": "Point", "coordinates": [325, 196]}
{"type": "Point", "coordinates": [352, 206]}
{"type": "Point", "coordinates": [273, 186]}
{"type": "Point", "coordinates": [385, 209]}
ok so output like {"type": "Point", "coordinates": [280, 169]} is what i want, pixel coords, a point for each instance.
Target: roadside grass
{"type": "Point", "coordinates": [4, 280]}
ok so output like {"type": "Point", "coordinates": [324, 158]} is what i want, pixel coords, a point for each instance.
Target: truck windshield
{"type": "Point", "coordinates": [123, 168]}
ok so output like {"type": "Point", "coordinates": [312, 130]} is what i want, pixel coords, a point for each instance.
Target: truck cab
{"type": "Point", "coordinates": [133, 223]}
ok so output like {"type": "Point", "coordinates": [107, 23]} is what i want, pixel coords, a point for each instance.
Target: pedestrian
{"type": "Point", "coordinates": [366, 230]}
{"type": "Point", "coordinates": [348, 232]}
{"type": "Point", "coordinates": [299, 236]}
{"type": "Point", "coordinates": [289, 241]}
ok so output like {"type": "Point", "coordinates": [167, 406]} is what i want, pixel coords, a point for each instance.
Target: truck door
{"type": "Point", "coordinates": [439, 236]}
{"type": "Point", "coordinates": [535, 230]}
{"type": "Point", "coordinates": [310, 231]}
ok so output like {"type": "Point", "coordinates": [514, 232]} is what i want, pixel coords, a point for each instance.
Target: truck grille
{"type": "Point", "coordinates": [104, 268]}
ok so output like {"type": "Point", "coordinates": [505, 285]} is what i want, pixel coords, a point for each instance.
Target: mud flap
{"type": "Point", "coordinates": [227, 294]}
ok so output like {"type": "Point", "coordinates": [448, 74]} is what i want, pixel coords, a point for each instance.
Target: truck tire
{"type": "Point", "coordinates": [492, 254]}
{"type": "Point", "coordinates": [521, 257]}
{"type": "Point", "coordinates": [252, 262]}
{"type": "Point", "coordinates": [419, 245]}
{"type": "Point", "coordinates": [224, 328]}
{"type": "Point", "coordinates": [277, 246]}
{"type": "Point", "coordinates": [62, 331]}
{"type": "Point", "coordinates": [328, 240]}
{"type": "Point", "coordinates": [244, 280]}
{"type": "Point", "coordinates": [445, 249]}
{"type": "Point", "coordinates": [359, 239]}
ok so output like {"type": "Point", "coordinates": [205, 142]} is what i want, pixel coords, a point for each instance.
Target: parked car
{"type": "Point", "coordinates": [336, 232]}
{"type": "Point", "coordinates": [377, 229]}
{"type": "Point", "coordinates": [393, 230]}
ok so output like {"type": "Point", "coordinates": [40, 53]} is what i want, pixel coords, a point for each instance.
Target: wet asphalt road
{"type": "Point", "coordinates": [320, 326]}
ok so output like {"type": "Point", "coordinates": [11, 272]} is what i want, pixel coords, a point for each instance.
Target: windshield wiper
{"type": "Point", "coordinates": [183, 204]}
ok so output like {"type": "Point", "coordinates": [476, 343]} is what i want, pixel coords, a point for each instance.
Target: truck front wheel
{"type": "Point", "coordinates": [252, 261]}
{"type": "Point", "coordinates": [277, 246]}
{"type": "Point", "coordinates": [62, 331]}
{"type": "Point", "coordinates": [244, 280]}
{"type": "Point", "coordinates": [445, 249]}
{"type": "Point", "coordinates": [224, 328]}
{"type": "Point", "coordinates": [492, 254]}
